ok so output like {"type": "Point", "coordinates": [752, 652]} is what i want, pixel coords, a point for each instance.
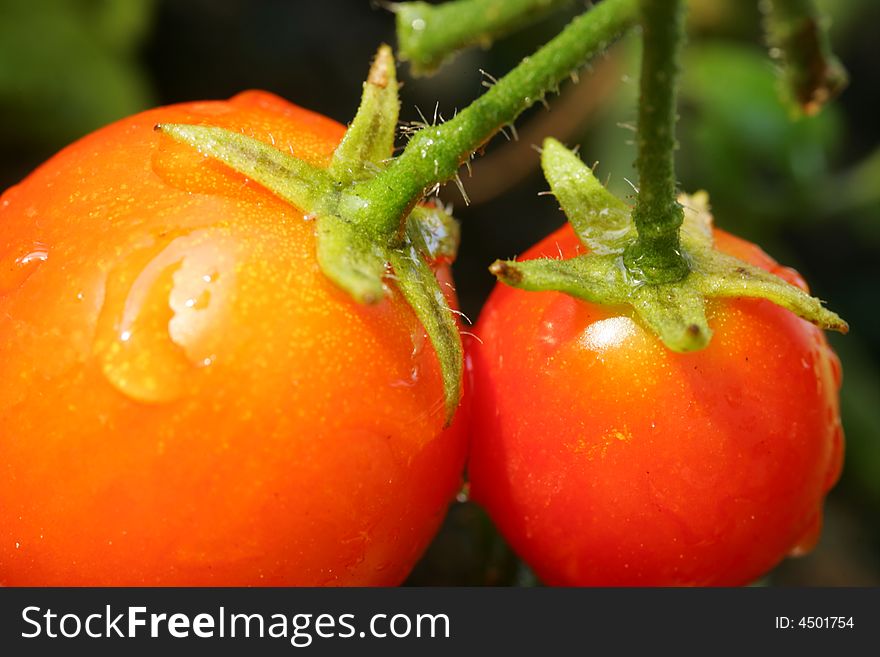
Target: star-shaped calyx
{"type": "Point", "coordinates": [359, 257]}
{"type": "Point", "coordinates": [675, 312]}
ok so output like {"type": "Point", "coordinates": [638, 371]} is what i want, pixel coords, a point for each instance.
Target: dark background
{"type": "Point", "coordinates": [806, 189]}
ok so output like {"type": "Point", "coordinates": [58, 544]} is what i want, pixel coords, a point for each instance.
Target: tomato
{"type": "Point", "coordinates": [185, 399]}
{"type": "Point", "coordinates": [606, 459]}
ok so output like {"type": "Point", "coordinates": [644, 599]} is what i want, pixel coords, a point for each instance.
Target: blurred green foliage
{"type": "Point", "coordinates": [737, 139]}
{"type": "Point", "coordinates": [69, 66]}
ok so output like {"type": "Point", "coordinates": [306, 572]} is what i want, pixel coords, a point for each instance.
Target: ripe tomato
{"type": "Point", "coordinates": [606, 459]}
{"type": "Point", "coordinates": [184, 398]}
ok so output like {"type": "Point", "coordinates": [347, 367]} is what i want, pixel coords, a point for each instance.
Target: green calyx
{"type": "Point", "coordinates": [674, 311]}
{"type": "Point", "coordinates": [370, 228]}
{"type": "Point", "coordinates": [358, 255]}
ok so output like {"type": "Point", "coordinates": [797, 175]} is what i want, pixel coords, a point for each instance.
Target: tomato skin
{"type": "Point", "coordinates": [185, 399]}
{"type": "Point", "coordinates": [606, 459]}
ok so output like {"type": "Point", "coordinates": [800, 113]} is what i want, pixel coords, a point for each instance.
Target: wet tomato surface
{"type": "Point", "coordinates": [184, 398]}
{"type": "Point", "coordinates": [606, 459]}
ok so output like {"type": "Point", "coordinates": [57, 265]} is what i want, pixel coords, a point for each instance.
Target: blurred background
{"type": "Point", "coordinates": [806, 189]}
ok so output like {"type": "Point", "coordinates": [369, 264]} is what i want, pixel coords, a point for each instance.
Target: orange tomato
{"type": "Point", "coordinates": [606, 459]}
{"type": "Point", "coordinates": [184, 398]}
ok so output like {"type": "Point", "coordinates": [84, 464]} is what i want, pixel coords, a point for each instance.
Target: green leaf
{"type": "Point", "coordinates": [676, 313]}
{"type": "Point", "coordinates": [290, 178]}
{"type": "Point", "coordinates": [720, 275]}
{"type": "Point", "coordinates": [601, 220]}
{"type": "Point", "coordinates": [369, 141]}
{"type": "Point", "coordinates": [418, 284]}
{"type": "Point", "coordinates": [356, 255]}
{"type": "Point", "coordinates": [696, 227]}
{"type": "Point", "coordinates": [434, 232]}
{"type": "Point", "coordinates": [593, 278]}
{"type": "Point", "coordinates": [350, 259]}
{"type": "Point", "coordinates": [717, 274]}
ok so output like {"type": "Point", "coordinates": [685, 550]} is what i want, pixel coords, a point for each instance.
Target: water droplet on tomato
{"type": "Point", "coordinates": [16, 270]}
{"type": "Point", "coordinates": [409, 381]}
{"type": "Point", "coordinates": [419, 338]}
{"type": "Point", "coordinates": [163, 316]}
{"type": "Point", "coordinates": [559, 325]}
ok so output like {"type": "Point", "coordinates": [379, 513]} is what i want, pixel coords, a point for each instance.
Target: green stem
{"type": "Point", "coordinates": [656, 257]}
{"type": "Point", "coordinates": [428, 34]}
{"type": "Point", "coordinates": [435, 153]}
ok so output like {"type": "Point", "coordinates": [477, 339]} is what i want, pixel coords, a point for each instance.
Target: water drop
{"type": "Point", "coordinates": [164, 315]}
{"type": "Point", "coordinates": [418, 345]}
{"type": "Point", "coordinates": [547, 335]}
{"type": "Point", "coordinates": [39, 255]}
{"type": "Point", "coordinates": [14, 272]}
{"type": "Point", "coordinates": [408, 382]}
{"type": "Point", "coordinates": [419, 338]}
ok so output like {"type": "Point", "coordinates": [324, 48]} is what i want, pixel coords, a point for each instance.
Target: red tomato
{"type": "Point", "coordinates": [606, 459]}
{"type": "Point", "coordinates": [184, 398]}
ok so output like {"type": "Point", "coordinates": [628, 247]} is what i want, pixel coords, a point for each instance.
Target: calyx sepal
{"type": "Point", "coordinates": [358, 257]}
{"type": "Point", "coordinates": [675, 312]}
